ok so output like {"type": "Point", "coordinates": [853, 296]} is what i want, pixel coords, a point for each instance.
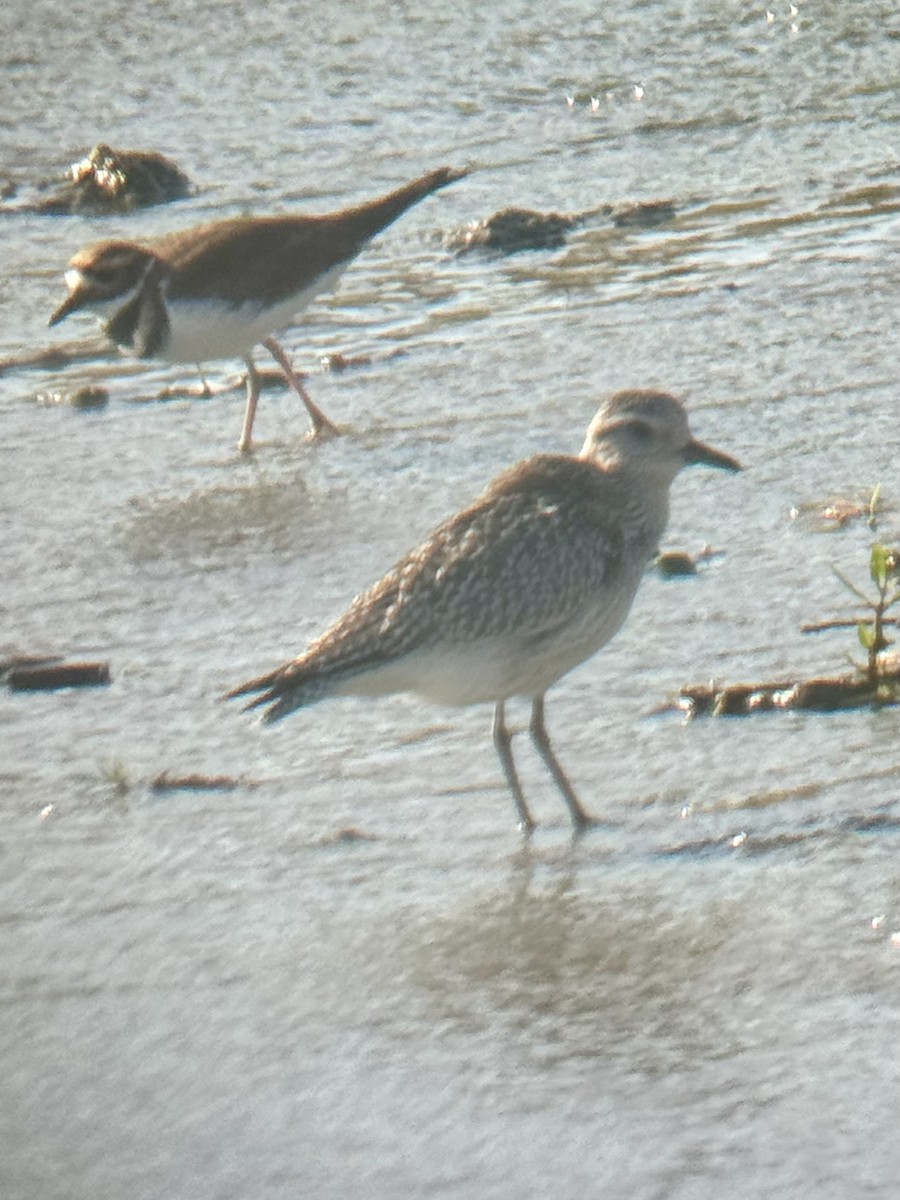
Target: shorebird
{"type": "Point", "coordinates": [216, 290]}
{"type": "Point", "coordinates": [514, 591]}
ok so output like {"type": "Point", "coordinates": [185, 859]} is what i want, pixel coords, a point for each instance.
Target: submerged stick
{"type": "Point", "coordinates": [44, 678]}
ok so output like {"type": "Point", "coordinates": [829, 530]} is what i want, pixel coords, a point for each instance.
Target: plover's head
{"type": "Point", "coordinates": [648, 431]}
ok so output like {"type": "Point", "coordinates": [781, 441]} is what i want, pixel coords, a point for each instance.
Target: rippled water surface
{"type": "Point", "coordinates": [347, 975]}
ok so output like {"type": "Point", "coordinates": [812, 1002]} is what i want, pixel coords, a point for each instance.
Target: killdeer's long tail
{"type": "Point", "coordinates": [373, 216]}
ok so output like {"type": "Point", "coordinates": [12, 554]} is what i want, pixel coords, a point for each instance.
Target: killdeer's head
{"type": "Point", "coordinates": [104, 277]}
{"type": "Point", "coordinates": [648, 431]}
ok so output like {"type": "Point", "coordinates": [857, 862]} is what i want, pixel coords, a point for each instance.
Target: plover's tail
{"type": "Point", "coordinates": [283, 690]}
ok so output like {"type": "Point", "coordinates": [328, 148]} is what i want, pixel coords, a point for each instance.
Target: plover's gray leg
{"type": "Point", "coordinates": [541, 739]}
{"type": "Point", "coordinates": [503, 743]}
{"type": "Point", "coordinates": [322, 426]}
{"type": "Point", "coordinates": [246, 439]}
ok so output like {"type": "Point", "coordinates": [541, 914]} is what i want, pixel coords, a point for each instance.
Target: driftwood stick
{"type": "Point", "coordinates": [45, 678]}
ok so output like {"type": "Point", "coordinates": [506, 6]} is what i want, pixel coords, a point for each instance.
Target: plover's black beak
{"type": "Point", "coordinates": [707, 456]}
{"type": "Point", "coordinates": [71, 302]}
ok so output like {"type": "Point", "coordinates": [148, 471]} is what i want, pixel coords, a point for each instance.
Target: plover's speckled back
{"type": "Point", "coordinates": [507, 596]}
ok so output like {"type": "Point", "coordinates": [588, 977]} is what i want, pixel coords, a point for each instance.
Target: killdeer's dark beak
{"type": "Point", "coordinates": [707, 456]}
{"type": "Point", "coordinates": [71, 302]}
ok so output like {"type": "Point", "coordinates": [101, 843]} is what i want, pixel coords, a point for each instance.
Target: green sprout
{"type": "Point", "coordinates": [115, 774]}
{"type": "Point", "coordinates": [884, 569]}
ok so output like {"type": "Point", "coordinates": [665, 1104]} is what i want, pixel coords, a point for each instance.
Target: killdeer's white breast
{"type": "Point", "coordinates": [206, 329]}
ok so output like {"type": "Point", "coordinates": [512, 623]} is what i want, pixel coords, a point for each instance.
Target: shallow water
{"type": "Point", "coordinates": [219, 991]}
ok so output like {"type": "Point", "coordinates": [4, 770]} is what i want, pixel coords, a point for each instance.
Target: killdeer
{"type": "Point", "coordinates": [507, 596]}
{"type": "Point", "coordinates": [216, 290]}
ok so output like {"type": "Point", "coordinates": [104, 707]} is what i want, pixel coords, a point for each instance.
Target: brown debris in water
{"type": "Point", "coordinates": [675, 564]}
{"type": "Point", "coordinates": [115, 181]}
{"type": "Point", "coordinates": [348, 836]}
{"type": "Point", "coordinates": [836, 512]}
{"type": "Point", "coordinates": [336, 361]}
{"type": "Point", "coordinates": [825, 694]}
{"type": "Point", "coordinates": [53, 358]}
{"type": "Point", "coordinates": [644, 214]}
{"type": "Point", "coordinates": [35, 674]}
{"type": "Point", "coordinates": [672, 563]}
{"type": "Point", "coordinates": [167, 781]}
{"type": "Point", "coordinates": [512, 230]}
{"type": "Point", "coordinates": [89, 397]}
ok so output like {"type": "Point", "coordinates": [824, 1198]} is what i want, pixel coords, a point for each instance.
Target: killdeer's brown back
{"type": "Point", "coordinates": [276, 257]}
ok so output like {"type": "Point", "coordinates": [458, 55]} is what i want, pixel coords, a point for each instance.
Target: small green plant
{"type": "Point", "coordinates": [114, 773]}
{"type": "Point", "coordinates": [884, 569]}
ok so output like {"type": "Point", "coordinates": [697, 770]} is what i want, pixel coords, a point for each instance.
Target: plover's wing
{"type": "Point", "coordinates": [534, 550]}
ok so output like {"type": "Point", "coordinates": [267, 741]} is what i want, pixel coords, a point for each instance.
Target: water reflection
{"type": "Point", "coordinates": [569, 975]}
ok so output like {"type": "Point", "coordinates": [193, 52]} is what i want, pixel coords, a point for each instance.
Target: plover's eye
{"type": "Point", "coordinates": [632, 429]}
{"type": "Point", "coordinates": [640, 431]}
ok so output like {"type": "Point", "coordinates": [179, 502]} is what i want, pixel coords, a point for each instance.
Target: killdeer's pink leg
{"type": "Point", "coordinates": [253, 386]}
{"type": "Point", "coordinates": [322, 426]}
{"type": "Point", "coordinates": [206, 391]}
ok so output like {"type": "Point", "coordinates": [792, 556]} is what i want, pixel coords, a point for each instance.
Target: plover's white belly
{"type": "Point", "coordinates": [207, 330]}
{"type": "Point", "coordinates": [497, 668]}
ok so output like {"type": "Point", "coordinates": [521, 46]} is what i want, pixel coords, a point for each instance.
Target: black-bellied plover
{"type": "Point", "coordinates": [215, 290]}
{"type": "Point", "coordinates": [507, 596]}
